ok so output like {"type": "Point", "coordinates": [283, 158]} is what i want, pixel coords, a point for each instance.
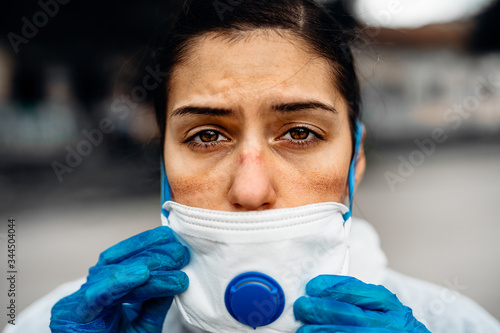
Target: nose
{"type": "Point", "coordinates": [252, 183]}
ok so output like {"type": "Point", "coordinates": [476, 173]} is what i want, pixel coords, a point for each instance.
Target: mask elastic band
{"type": "Point", "coordinates": [352, 169]}
{"type": "Point", "coordinates": [165, 189]}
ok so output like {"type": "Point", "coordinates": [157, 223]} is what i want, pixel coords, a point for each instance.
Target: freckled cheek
{"type": "Point", "coordinates": [195, 191]}
{"type": "Point", "coordinates": [315, 186]}
{"type": "Point", "coordinates": [192, 184]}
{"type": "Point", "coordinates": [317, 177]}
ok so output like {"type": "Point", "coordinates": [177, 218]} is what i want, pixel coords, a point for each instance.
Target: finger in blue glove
{"type": "Point", "coordinates": [129, 290]}
{"type": "Point", "coordinates": [341, 302]}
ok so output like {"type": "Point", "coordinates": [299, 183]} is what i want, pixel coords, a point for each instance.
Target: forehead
{"type": "Point", "coordinates": [258, 67]}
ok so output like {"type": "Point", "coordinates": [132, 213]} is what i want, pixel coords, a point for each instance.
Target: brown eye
{"type": "Point", "coordinates": [299, 133]}
{"type": "Point", "coordinates": [301, 137]}
{"type": "Point", "coordinates": [208, 136]}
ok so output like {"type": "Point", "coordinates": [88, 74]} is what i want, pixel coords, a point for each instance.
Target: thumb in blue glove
{"type": "Point", "coordinates": [129, 290]}
{"type": "Point", "coordinates": [346, 304]}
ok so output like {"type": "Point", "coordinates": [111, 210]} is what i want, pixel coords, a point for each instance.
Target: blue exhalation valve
{"type": "Point", "coordinates": [254, 299]}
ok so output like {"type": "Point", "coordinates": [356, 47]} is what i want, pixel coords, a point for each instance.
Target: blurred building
{"type": "Point", "coordinates": [442, 75]}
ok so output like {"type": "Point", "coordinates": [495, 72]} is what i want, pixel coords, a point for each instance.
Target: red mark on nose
{"type": "Point", "coordinates": [249, 158]}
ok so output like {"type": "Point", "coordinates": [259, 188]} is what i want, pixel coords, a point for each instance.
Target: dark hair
{"type": "Point", "coordinates": [303, 18]}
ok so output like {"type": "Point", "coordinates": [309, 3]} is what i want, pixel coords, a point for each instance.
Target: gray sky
{"type": "Point", "coordinates": [414, 13]}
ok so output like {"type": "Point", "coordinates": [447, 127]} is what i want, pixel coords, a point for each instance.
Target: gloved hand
{"type": "Point", "coordinates": [142, 271]}
{"type": "Point", "coordinates": [346, 304]}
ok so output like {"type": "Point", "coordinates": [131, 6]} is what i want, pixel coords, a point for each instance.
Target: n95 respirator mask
{"type": "Point", "coordinates": [248, 268]}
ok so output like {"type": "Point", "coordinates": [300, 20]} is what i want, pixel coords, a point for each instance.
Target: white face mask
{"type": "Point", "coordinates": [277, 250]}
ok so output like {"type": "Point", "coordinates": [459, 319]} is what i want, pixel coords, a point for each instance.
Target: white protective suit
{"type": "Point", "coordinates": [442, 310]}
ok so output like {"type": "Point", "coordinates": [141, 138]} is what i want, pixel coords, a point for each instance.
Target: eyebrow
{"type": "Point", "coordinates": [301, 106]}
{"type": "Point", "coordinates": [284, 107]}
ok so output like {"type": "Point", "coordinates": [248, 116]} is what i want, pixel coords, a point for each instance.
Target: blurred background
{"type": "Point", "coordinates": [79, 159]}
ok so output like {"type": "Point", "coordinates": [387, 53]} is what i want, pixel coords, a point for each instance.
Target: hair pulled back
{"type": "Point", "coordinates": [304, 19]}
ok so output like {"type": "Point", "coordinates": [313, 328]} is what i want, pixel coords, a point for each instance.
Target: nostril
{"type": "Point", "coordinates": [265, 206]}
{"type": "Point", "coordinates": [249, 208]}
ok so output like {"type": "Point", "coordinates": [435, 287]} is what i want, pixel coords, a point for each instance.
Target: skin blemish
{"type": "Point", "coordinates": [193, 191]}
{"type": "Point", "coordinates": [249, 158]}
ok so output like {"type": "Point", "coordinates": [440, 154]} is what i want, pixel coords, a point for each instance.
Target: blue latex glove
{"type": "Point", "coordinates": [142, 271]}
{"type": "Point", "coordinates": [346, 304]}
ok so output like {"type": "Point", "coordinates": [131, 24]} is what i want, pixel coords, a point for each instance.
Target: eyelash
{"type": "Point", "coordinates": [304, 143]}
{"type": "Point", "coordinates": [301, 143]}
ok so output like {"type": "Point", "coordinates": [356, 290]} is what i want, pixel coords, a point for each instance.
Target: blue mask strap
{"type": "Point", "coordinates": [352, 169]}
{"type": "Point", "coordinates": [165, 189]}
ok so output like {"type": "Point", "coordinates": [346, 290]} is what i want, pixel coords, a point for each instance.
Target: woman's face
{"type": "Point", "coordinates": [255, 124]}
